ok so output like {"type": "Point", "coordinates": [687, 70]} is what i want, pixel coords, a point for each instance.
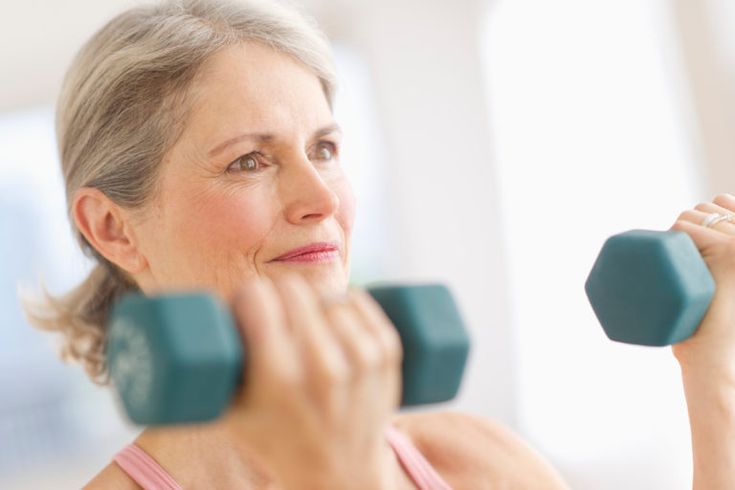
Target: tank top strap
{"type": "Point", "coordinates": [418, 468]}
{"type": "Point", "coordinates": [144, 470]}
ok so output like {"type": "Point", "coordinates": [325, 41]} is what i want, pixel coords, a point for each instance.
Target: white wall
{"type": "Point", "coordinates": [38, 40]}
{"type": "Point", "coordinates": [705, 36]}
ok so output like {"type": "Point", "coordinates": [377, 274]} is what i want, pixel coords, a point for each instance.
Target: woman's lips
{"type": "Point", "coordinates": [315, 252]}
{"type": "Point", "coordinates": [313, 257]}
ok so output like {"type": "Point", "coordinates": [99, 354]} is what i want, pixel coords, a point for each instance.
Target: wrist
{"type": "Point", "coordinates": [712, 376]}
{"type": "Point", "coordinates": [699, 359]}
{"type": "Point", "coordinates": [710, 398]}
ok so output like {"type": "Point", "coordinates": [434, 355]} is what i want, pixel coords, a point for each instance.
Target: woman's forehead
{"type": "Point", "coordinates": [250, 87]}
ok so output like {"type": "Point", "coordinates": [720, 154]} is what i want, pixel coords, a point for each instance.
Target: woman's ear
{"type": "Point", "coordinates": [107, 228]}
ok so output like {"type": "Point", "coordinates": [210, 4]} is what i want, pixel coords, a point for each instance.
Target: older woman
{"type": "Point", "coordinates": [199, 151]}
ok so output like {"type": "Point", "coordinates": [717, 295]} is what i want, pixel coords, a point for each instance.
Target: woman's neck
{"type": "Point", "coordinates": [204, 456]}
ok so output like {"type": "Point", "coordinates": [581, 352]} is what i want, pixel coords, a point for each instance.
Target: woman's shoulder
{"type": "Point", "coordinates": [471, 451]}
{"type": "Point", "coordinates": [112, 478]}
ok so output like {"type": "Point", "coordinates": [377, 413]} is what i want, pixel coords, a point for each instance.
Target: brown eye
{"type": "Point", "coordinates": [246, 163]}
{"type": "Point", "coordinates": [324, 151]}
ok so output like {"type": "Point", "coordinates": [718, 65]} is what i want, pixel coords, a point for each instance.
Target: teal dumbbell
{"type": "Point", "coordinates": [650, 287]}
{"type": "Point", "coordinates": [179, 358]}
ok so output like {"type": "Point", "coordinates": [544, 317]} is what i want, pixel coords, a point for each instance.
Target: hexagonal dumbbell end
{"type": "Point", "coordinates": [435, 342]}
{"type": "Point", "coordinates": [173, 359]}
{"type": "Point", "coordinates": [649, 287]}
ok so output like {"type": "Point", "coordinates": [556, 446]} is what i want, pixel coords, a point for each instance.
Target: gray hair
{"type": "Point", "coordinates": [123, 104]}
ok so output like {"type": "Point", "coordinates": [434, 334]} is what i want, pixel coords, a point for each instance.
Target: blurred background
{"type": "Point", "coordinates": [493, 145]}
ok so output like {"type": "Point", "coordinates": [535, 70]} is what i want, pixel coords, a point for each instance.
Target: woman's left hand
{"type": "Point", "coordinates": [712, 347]}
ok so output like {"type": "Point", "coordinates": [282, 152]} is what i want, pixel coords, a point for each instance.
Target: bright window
{"type": "Point", "coordinates": [592, 139]}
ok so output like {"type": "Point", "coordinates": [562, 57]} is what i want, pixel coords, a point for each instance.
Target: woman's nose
{"type": "Point", "coordinates": [306, 194]}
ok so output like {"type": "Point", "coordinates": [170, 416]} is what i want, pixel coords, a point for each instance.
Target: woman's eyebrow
{"type": "Point", "coordinates": [332, 128]}
{"type": "Point", "coordinates": [263, 137]}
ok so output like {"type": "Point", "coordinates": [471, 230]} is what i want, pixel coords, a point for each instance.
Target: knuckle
{"type": "Point", "coordinates": [244, 291]}
{"type": "Point", "coordinates": [390, 332]}
{"type": "Point", "coordinates": [391, 352]}
{"type": "Point", "coordinates": [372, 305]}
{"type": "Point", "coordinates": [397, 352]}
{"type": "Point", "coordinates": [335, 374]}
{"type": "Point", "coordinates": [679, 224]}
{"type": "Point", "coordinates": [702, 206]}
{"type": "Point", "coordinates": [722, 199]}
{"type": "Point", "coordinates": [287, 379]}
{"type": "Point", "coordinates": [365, 358]}
{"type": "Point", "coordinates": [288, 283]}
{"type": "Point", "coordinates": [394, 345]}
{"type": "Point", "coordinates": [394, 358]}
{"type": "Point", "coordinates": [269, 375]}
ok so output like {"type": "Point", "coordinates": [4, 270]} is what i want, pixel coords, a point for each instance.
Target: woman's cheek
{"type": "Point", "coordinates": [232, 224]}
{"type": "Point", "coordinates": [231, 242]}
{"type": "Point", "coordinates": [246, 222]}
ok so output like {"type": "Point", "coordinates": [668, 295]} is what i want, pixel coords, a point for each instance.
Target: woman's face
{"type": "Point", "coordinates": [255, 174]}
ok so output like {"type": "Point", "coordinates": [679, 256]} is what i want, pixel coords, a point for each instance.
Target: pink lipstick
{"type": "Point", "coordinates": [312, 253]}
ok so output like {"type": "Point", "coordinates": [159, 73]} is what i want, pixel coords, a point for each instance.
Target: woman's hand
{"type": "Point", "coordinates": [707, 358]}
{"type": "Point", "coordinates": [322, 380]}
{"type": "Point", "coordinates": [712, 347]}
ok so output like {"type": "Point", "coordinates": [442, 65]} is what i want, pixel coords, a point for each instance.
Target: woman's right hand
{"type": "Point", "coordinates": [321, 383]}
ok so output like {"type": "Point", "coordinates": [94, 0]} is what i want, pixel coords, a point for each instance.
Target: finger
{"type": "Point", "coordinates": [702, 211]}
{"type": "Point", "coordinates": [703, 237]}
{"type": "Point", "coordinates": [364, 392]}
{"type": "Point", "coordinates": [726, 201]}
{"type": "Point", "coordinates": [321, 352]}
{"type": "Point", "coordinates": [361, 350]}
{"type": "Point", "coordinates": [379, 323]}
{"type": "Point", "coordinates": [387, 338]}
{"type": "Point", "coordinates": [260, 318]}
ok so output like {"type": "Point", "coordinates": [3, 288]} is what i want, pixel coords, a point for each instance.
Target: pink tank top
{"type": "Point", "coordinates": [144, 470]}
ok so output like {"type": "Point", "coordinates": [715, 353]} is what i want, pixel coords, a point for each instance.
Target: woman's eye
{"type": "Point", "coordinates": [325, 151]}
{"type": "Point", "coordinates": [246, 163]}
